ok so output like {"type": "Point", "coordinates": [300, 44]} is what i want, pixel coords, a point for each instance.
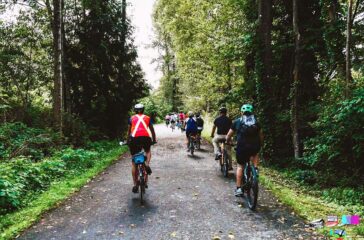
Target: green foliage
{"type": "Point", "coordinates": [337, 147]}
{"type": "Point", "coordinates": [345, 196]}
{"type": "Point", "coordinates": [21, 178]}
{"type": "Point", "coordinates": [17, 139]}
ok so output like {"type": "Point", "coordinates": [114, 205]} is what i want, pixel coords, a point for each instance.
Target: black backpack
{"type": "Point", "coordinates": [249, 130]}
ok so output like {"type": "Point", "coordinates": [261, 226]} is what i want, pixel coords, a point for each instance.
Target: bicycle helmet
{"type": "Point", "coordinates": [190, 114]}
{"type": "Point", "coordinates": [247, 108]}
{"type": "Point", "coordinates": [223, 110]}
{"type": "Point", "coordinates": [139, 107]}
{"type": "Point", "coordinates": [198, 114]}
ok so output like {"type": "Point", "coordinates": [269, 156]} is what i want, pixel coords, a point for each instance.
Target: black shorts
{"type": "Point", "coordinates": [243, 153]}
{"type": "Point", "coordinates": [193, 133]}
{"type": "Point", "coordinates": [138, 143]}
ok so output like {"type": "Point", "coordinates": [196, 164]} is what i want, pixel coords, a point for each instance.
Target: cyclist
{"type": "Point", "coordinates": [200, 123]}
{"type": "Point", "coordinates": [167, 119]}
{"type": "Point", "coordinates": [141, 133]}
{"type": "Point", "coordinates": [181, 118]}
{"type": "Point", "coordinates": [223, 125]}
{"type": "Point", "coordinates": [173, 120]}
{"type": "Point", "coordinates": [249, 141]}
{"type": "Point", "coordinates": [190, 125]}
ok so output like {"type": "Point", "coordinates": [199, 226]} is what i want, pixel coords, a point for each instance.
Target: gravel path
{"type": "Point", "coordinates": [188, 198]}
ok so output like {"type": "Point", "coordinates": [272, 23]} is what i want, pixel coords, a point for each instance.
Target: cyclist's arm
{"type": "Point", "coordinates": [213, 131]}
{"type": "Point", "coordinates": [230, 135]}
{"type": "Point", "coordinates": [153, 132]}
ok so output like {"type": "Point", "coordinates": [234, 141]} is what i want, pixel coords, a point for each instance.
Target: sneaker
{"type": "Point", "coordinates": [135, 189]}
{"type": "Point", "coordinates": [148, 170]}
{"type": "Point", "coordinates": [238, 192]}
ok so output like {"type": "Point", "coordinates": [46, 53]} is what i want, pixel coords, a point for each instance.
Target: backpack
{"type": "Point", "coordinates": [191, 125]}
{"type": "Point", "coordinates": [248, 130]}
{"type": "Point", "coordinates": [199, 122]}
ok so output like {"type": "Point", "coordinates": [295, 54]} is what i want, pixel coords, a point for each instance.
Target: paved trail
{"type": "Point", "coordinates": [187, 199]}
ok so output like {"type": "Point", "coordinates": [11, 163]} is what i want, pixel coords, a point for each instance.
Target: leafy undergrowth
{"type": "Point", "coordinates": [31, 189]}
{"type": "Point", "coordinates": [308, 203]}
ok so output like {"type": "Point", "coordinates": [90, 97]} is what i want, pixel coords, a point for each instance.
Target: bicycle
{"type": "Point", "coordinates": [173, 126]}
{"type": "Point", "coordinates": [224, 158]}
{"type": "Point", "coordinates": [251, 184]}
{"type": "Point", "coordinates": [142, 176]}
{"type": "Point", "coordinates": [191, 143]}
{"type": "Point", "coordinates": [198, 139]}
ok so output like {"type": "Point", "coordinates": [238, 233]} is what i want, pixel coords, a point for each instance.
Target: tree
{"type": "Point", "coordinates": [58, 100]}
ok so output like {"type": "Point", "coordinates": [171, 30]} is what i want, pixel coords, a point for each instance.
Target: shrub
{"type": "Point", "coordinates": [16, 139]}
{"type": "Point", "coordinates": [21, 177]}
{"type": "Point", "coordinates": [337, 148]}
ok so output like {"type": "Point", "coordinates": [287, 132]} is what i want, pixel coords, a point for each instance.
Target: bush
{"type": "Point", "coordinates": [21, 177]}
{"type": "Point", "coordinates": [16, 139]}
{"type": "Point", "coordinates": [337, 148]}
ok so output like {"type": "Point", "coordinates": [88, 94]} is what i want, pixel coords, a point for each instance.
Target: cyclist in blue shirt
{"type": "Point", "coordinates": [190, 127]}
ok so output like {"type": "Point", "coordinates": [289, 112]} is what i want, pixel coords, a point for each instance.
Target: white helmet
{"type": "Point", "coordinates": [190, 114]}
{"type": "Point", "coordinates": [139, 107]}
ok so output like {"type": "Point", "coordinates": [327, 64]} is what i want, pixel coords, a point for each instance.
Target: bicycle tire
{"type": "Point", "coordinates": [142, 183]}
{"type": "Point", "coordinates": [253, 189]}
{"type": "Point", "coordinates": [225, 164]}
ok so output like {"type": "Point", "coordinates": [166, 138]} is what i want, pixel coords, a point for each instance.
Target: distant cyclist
{"type": "Point", "coordinates": [200, 123]}
{"type": "Point", "coordinates": [181, 118]}
{"type": "Point", "coordinates": [222, 124]}
{"type": "Point", "coordinates": [173, 120]}
{"type": "Point", "coordinates": [249, 142]}
{"type": "Point", "coordinates": [141, 136]}
{"type": "Point", "coordinates": [190, 126]}
{"type": "Point", "coordinates": [167, 119]}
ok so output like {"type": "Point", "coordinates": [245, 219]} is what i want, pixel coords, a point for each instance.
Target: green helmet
{"type": "Point", "coordinates": [246, 108]}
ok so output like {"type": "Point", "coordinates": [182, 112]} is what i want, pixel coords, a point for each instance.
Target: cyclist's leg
{"type": "Point", "coordinates": [134, 148]}
{"type": "Point", "coordinates": [228, 150]}
{"type": "Point", "coordinates": [188, 140]}
{"type": "Point", "coordinates": [215, 143]}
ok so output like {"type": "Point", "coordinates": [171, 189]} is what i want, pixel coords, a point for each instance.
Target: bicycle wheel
{"type": "Point", "coordinates": [225, 164]}
{"type": "Point", "coordinates": [253, 189]}
{"type": "Point", "coordinates": [142, 184]}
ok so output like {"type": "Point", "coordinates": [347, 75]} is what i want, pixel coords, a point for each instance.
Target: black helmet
{"type": "Point", "coordinates": [223, 110]}
{"type": "Point", "coordinates": [198, 114]}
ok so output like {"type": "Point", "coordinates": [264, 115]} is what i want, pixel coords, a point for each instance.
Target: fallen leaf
{"type": "Point", "coordinates": [216, 238]}
{"type": "Point", "coordinates": [174, 234]}
{"type": "Point", "coordinates": [84, 232]}
{"type": "Point", "coordinates": [132, 225]}
{"type": "Point", "coordinates": [231, 236]}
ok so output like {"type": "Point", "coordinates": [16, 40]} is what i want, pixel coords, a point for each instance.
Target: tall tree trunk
{"type": "Point", "coordinates": [296, 84]}
{"type": "Point", "coordinates": [349, 24]}
{"type": "Point", "coordinates": [58, 64]}
{"type": "Point", "coordinates": [264, 93]}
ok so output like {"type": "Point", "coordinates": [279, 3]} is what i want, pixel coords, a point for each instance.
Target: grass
{"type": "Point", "coordinates": [306, 205]}
{"type": "Point", "coordinates": [18, 221]}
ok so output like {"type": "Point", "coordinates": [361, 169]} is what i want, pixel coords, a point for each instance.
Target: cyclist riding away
{"type": "Point", "coordinates": [167, 119]}
{"type": "Point", "coordinates": [140, 133]}
{"type": "Point", "coordinates": [181, 118]}
{"type": "Point", "coordinates": [223, 125]}
{"type": "Point", "coordinates": [191, 128]}
{"type": "Point", "coordinates": [200, 123]}
{"type": "Point", "coordinates": [249, 142]}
